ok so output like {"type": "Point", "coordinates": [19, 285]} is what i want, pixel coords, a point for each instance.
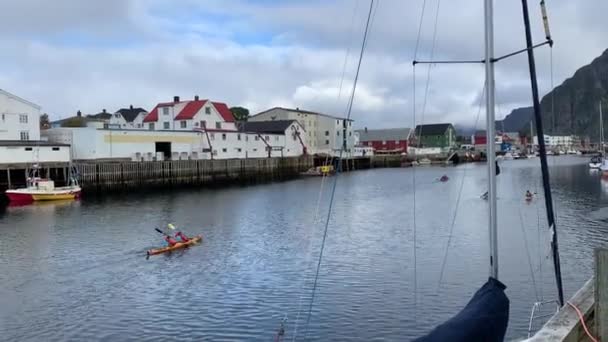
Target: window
{"type": "Point", "coordinates": [218, 125]}
{"type": "Point", "coordinates": [224, 150]}
{"type": "Point", "coordinates": [22, 118]}
{"type": "Point", "coordinates": [350, 123]}
{"type": "Point", "coordinates": [55, 148]}
{"type": "Point", "coordinates": [246, 138]}
{"type": "Point", "coordinates": [238, 150]}
{"type": "Point", "coordinates": [138, 125]}
{"type": "Point", "coordinates": [326, 142]}
{"type": "Point", "coordinates": [151, 126]}
{"type": "Point", "coordinates": [165, 110]}
{"type": "Point", "coordinates": [207, 110]}
{"type": "Point", "coordinates": [2, 117]}
{"type": "Point", "coordinates": [25, 135]}
{"type": "Point", "coordinates": [212, 136]}
{"type": "Point", "coordinates": [338, 122]}
{"type": "Point", "coordinates": [338, 133]}
{"type": "Point", "coordinates": [165, 125]}
{"type": "Point", "coordinates": [28, 148]}
{"type": "Point", "coordinates": [215, 152]}
{"type": "Point", "coordinates": [203, 123]}
{"type": "Point", "coordinates": [276, 137]}
{"type": "Point", "coordinates": [326, 133]}
{"type": "Point", "coordinates": [256, 138]}
{"type": "Point", "coordinates": [350, 133]}
{"type": "Point", "coordinates": [267, 138]}
{"type": "Point", "coordinates": [182, 124]}
{"type": "Point", "coordinates": [255, 149]}
{"type": "Point", "coordinates": [238, 136]}
{"type": "Point", "coordinates": [224, 136]}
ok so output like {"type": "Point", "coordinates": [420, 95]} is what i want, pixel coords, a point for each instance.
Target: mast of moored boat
{"type": "Point", "coordinates": [490, 138]}
{"type": "Point", "coordinates": [541, 143]}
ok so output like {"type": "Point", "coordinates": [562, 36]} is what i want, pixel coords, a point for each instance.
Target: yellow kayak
{"type": "Point", "coordinates": [178, 245]}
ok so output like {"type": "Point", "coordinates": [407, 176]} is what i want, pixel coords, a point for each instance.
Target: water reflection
{"type": "Point", "coordinates": [85, 259]}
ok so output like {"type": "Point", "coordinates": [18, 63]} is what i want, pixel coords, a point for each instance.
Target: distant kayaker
{"type": "Point", "coordinates": [182, 237]}
{"type": "Point", "coordinates": [170, 241]}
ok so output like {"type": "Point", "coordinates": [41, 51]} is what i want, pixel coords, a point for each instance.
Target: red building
{"type": "Point", "coordinates": [385, 141]}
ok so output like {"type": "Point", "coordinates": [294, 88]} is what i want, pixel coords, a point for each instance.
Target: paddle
{"type": "Point", "coordinates": [160, 231]}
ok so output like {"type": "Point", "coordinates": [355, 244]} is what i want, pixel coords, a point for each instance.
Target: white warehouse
{"type": "Point", "coordinates": [145, 145]}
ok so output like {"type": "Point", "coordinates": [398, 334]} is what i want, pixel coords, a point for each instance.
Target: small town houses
{"type": "Point", "coordinates": [180, 130]}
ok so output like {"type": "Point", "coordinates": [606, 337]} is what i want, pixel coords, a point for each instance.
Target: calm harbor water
{"type": "Point", "coordinates": [77, 271]}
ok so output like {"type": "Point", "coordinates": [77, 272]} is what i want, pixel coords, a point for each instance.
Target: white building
{"type": "Point", "coordinates": [557, 140]}
{"type": "Point", "coordinates": [190, 115]}
{"type": "Point", "coordinates": [129, 118]}
{"type": "Point", "coordinates": [325, 134]}
{"type": "Point", "coordinates": [20, 135]}
{"type": "Point", "coordinates": [145, 145]}
{"type": "Point", "coordinates": [19, 118]}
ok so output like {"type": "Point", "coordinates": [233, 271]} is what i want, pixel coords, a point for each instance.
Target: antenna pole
{"type": "Point", "coordinates": [490, 131]}
{"type": "Point", "coordinates": [543, 155]}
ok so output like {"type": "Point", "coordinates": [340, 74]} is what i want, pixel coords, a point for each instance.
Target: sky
{"type": "Point", "coordinates": [70, 55]}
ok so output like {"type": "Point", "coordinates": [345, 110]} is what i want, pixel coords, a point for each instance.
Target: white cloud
{"type": "Point", "coordinates": [69, 55]}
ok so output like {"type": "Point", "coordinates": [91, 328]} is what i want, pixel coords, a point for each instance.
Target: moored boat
{"type": "Point", "coordinates": [319, 171]}
{"type": "Point", "coordinates": [40, 189]}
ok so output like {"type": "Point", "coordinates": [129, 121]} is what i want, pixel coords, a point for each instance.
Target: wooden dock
{"type": "Point", "coordinates": [592, 302]}
{"type": "Point", "coordinates": [108, 176]}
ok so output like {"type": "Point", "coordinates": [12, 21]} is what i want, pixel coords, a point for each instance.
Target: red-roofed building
{"type": "Point", "coordinates": [190, 115]}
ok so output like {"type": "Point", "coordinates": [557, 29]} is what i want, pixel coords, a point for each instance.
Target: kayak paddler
{"type": "Point", "coordinates": [182, 237]}
{"type": "Point", "coordinates": [170, 241]}
{"type": "Point", "coordinates": [179, 234]}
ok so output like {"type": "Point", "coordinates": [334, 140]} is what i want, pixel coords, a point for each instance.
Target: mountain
{"type": "Point", "coordinates": [517, 121]}
{"type": "Point", "coordinates": [576, 101]}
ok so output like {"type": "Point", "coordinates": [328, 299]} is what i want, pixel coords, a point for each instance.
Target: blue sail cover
{"type": "Point", "coordinates": [484, 318]}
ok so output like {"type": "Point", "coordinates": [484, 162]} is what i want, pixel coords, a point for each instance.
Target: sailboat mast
{"type": "Point", "coordinates": [543, 152]}
{"type": "Point", "coordinates": [490, 131]}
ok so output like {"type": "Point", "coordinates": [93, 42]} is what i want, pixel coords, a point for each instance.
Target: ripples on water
{"type": "Point", "coordinates": [77, 271]}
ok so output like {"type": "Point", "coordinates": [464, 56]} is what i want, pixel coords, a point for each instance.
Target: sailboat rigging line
{"type": "Point", "coordinates": [525, 238]}
{"type": "Point", "coordinates": [350, 35]}
{"type": "Point", "coordinates": [494, 60]}
{"type": "Point", "coordinates": [451, 234]}
{"type": "Point", "coordinates": [414, 233]}
{"type": "Point", "coordinates": [428, 73]}
{"type": "Point", "coordinates": [339, 168]}
{"type": "Point", "coordinates": [308, 255]}
{"type": "Point", "coordinates": [543, 155]}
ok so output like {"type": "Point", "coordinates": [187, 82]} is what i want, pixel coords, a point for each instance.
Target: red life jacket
{"type": "Point", "coordinates": [170, 240]}
{"type": "Point", "coordinates": [183, 237]}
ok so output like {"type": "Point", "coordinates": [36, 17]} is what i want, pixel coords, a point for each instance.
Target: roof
{"type": "Point", "coordinates": [153, 115]}
{"type": "Point", "coordinates": [190, 110]}
{"type": "Point", "coordinates": [129, 114]}
{"type": "Point", "coordinates": [432, 129]}
{"type": "Point", "coordinates": [384, 134]}
{"type": "Point", "coordinates": [2, 91]}
{"type": "Point", "coordinates": [298, 110]}
{"type": "Point", "coordinates": [271, 127]}
{"type": "Point", "coordinates": [224, 111]}
{"type": "Point", "coordinates": [101, 116]}
{"type": "Point", "coordinates": [29, 143]}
